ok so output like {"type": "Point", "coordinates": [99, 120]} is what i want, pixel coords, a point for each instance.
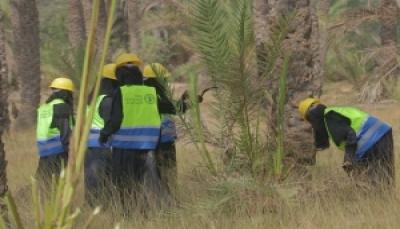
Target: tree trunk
{"type": "Point", "coordinates": [302, 80]}
{"type": "Point", "coordinates": [4, 113]}
{"type": "Point", "coordinates": [260, 12]}
{"type": "Point", "coordinates": [133, 25]}
{"type": "Point", "coordinates": [76, 22]}
{"type": "Point", "coordinates": [323, 37]}
{"type": "Point", "coordinates": [4, 118]}
{"type": "Point", "coordinates": [101, 26]}
{"type": "Point", "coordinates": [25, 23]}
{"type": "Point", "coordinates": [388, 37]}
{"type": "Point", "coordinates": [87, 14]}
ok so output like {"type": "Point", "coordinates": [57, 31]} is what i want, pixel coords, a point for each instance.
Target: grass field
{"type": "Point", "coordinates": [327, 200]}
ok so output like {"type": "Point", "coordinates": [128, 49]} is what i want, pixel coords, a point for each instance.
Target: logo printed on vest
{"type": "Point", "coordinates": [136, 99]}
{"type": "Point", "coordinates": [44, 114]}
{"type": "Point", "coordinates": [149, 98]}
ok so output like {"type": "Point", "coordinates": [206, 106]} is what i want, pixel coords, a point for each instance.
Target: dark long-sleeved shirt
{"type": "Point", "coordinates": [340, 130]}
{"type": "Point", "coordinates": [61, 120]}
{"type": "Point", "coordinates": [113, 123]}
{"type": "Point", "coordinates": [105, 108]}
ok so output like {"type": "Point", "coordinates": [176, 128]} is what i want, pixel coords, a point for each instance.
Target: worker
{"type": "Point", "coordinates": [367, 141]}
{"type": "Point", "coordinates": [135, 125]}
{"type": "Point", "coordinates": [166, 150]}
{"type": "Point", "coordinates": [97, 167]}
{"type": "Point", "coordinates": [54, 127]}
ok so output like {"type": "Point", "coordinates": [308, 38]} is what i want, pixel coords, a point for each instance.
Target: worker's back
{"type": "Point", "coordinates": [140, 127]}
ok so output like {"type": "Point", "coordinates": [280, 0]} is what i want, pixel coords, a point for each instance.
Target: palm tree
{"type": "Point", "coordinates": [324, 15]}
{"type": "Point", "coordinates": [76, 22]}
{"type": "Point", "coordinates": [25, 22]}
{"type": "Point", "coordinates": [4, 117]}
{"type": "Point", "coordinates": [133, 25]}
{"type": "Point", "coordinates": [302, 81]}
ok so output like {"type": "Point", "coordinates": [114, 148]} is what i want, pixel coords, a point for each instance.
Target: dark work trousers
{"type": "Point", "coordinates": [97, 170]}
{"type": "Point", "coordinates": [377, 164]}
{"type": "Point", "coordinates": [127, 172]}
{"type": "Point", "coordinates": [48, 166]}
{"type": "Point", "coordinates": [166, 162]}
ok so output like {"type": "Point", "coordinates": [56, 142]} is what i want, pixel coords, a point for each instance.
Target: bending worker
{"type": "Point", "coordinates": [54, 127]}
{"type": "Point", "coordinates": [135, 126]}
{"type": "Point", "coordinates": [367, 141]}
{"type": "Point", "coordinates": [97, 166]}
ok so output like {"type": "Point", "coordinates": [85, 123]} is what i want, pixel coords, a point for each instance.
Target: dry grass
{"type": "Point", "coordinates": [327, 200]}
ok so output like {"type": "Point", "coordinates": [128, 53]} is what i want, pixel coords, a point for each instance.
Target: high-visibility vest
{"type": "Point", "coordinates": [140, 127]}
{"type": "Point", "coordinates": [168, 128]}
{"type": "Point", "coordinates": [368, 129]}
{"type": "Point", "coordinates": [48, 139]}
{"type": "Point", "coordinates": [97, 125]}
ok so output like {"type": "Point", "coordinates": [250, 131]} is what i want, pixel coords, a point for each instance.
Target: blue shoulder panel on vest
{"type": "Point", "coordinates": [370, 133]}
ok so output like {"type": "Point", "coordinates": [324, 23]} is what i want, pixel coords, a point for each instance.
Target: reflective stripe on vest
{"type": "Point", "coordinates": [168, 128]}
{"type": "Point", "coordinates": [371, 131]}
{"type": "Point", "coordinates": [139, 137]}
{"type": "Point", "coordinates": [97, 125]}
{"type": "Point", "coordinates": [50, 146]}
{"type": "Point", "coordinates": [368, 129]}
{"type": "Point", "coordinates": [48, 139]}
{"type": "Point", "coordinates": [141, 123]}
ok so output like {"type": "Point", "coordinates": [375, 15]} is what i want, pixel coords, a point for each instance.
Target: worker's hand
{"type": "Point", "coordinates": [103, 139]}
{"type": "Point", "coordinates": [348, 166]}
{"type": "Point", "coordinates": [199, 98]}
{"type": "Point", "coordinates": [185, 95]}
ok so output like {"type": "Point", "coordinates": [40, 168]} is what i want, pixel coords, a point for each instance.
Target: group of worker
{"type": "Point", "coordinates": [133, 117]}
{"type": "Point", "coordinates": [133, 120]}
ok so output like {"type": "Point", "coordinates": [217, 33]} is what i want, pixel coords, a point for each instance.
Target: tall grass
{"type": "Point", "coordinates": [59, 213]}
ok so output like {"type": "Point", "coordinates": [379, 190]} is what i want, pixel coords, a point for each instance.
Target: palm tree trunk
{"type": "Point", "coordinates": [101, 26]}
{"type": "Point", "coordinates": [25, 22]}
{"type": "Point", "coordinates": [87, 14]}
{"type": "Point", "coordinates": [260, 12]}
{"type": "Point", "coordinates": [323, 38]}
{"type": "Point", "coordinates": [302, 81]}
{"type": "Point", "coordinates": [317, 36]}
{"type": "Point", "coordinates": [133, 24]}
{"type": "Point", "coordinates": [76, 22]}
{"type": "Point", "coordinates": [5, 118]}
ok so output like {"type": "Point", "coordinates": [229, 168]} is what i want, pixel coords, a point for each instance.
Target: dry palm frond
{"type": "Point", "coordinates": [387, 57]}
{"type": "Point", "coordinates": [356, 17]}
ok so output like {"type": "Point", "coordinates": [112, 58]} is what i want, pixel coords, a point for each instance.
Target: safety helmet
{"type": "Point", "coordinates": [63, 83]}
{"type": "Point", "coordinates": [159, 68]}
{"type": "Point", "coordinates": [109, 71]}
{"type": "Point", "coordinates": [127, 58]}
{"type": "Point", "coordinates": [305, 105]}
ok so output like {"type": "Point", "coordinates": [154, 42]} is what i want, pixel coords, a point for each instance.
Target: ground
{"type": "Point", "coordinates": [327, 200]}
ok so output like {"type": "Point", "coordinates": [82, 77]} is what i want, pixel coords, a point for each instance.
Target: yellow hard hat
{"type": "Point", "coordinates": [109, 71]}
{"type": "Point", "coordinates": [127, 58]}
{"type": "Point", "coordinates": [159, 68]}
{"type": "Point", "coordinates": [305, 104]}
{"type": "Point", "coordinates": [63, 83]}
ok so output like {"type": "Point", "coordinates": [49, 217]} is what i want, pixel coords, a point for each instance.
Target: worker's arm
{"type": "Point", "coordinates": [165, 106]}
{"type": "Point", "coordinates": [321, 140]}
{"type": "Point", "coordinates": [113, 124]}
{"type": "Point", "coordinates": [62, 114]}
{"type": "Point", "coordinates": [351, 146]}
{"type": "Point", "coordinates": [105, 108]}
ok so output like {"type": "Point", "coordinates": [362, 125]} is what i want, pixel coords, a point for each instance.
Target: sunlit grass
{"type": "Point", "coordinates": [328, 200]}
